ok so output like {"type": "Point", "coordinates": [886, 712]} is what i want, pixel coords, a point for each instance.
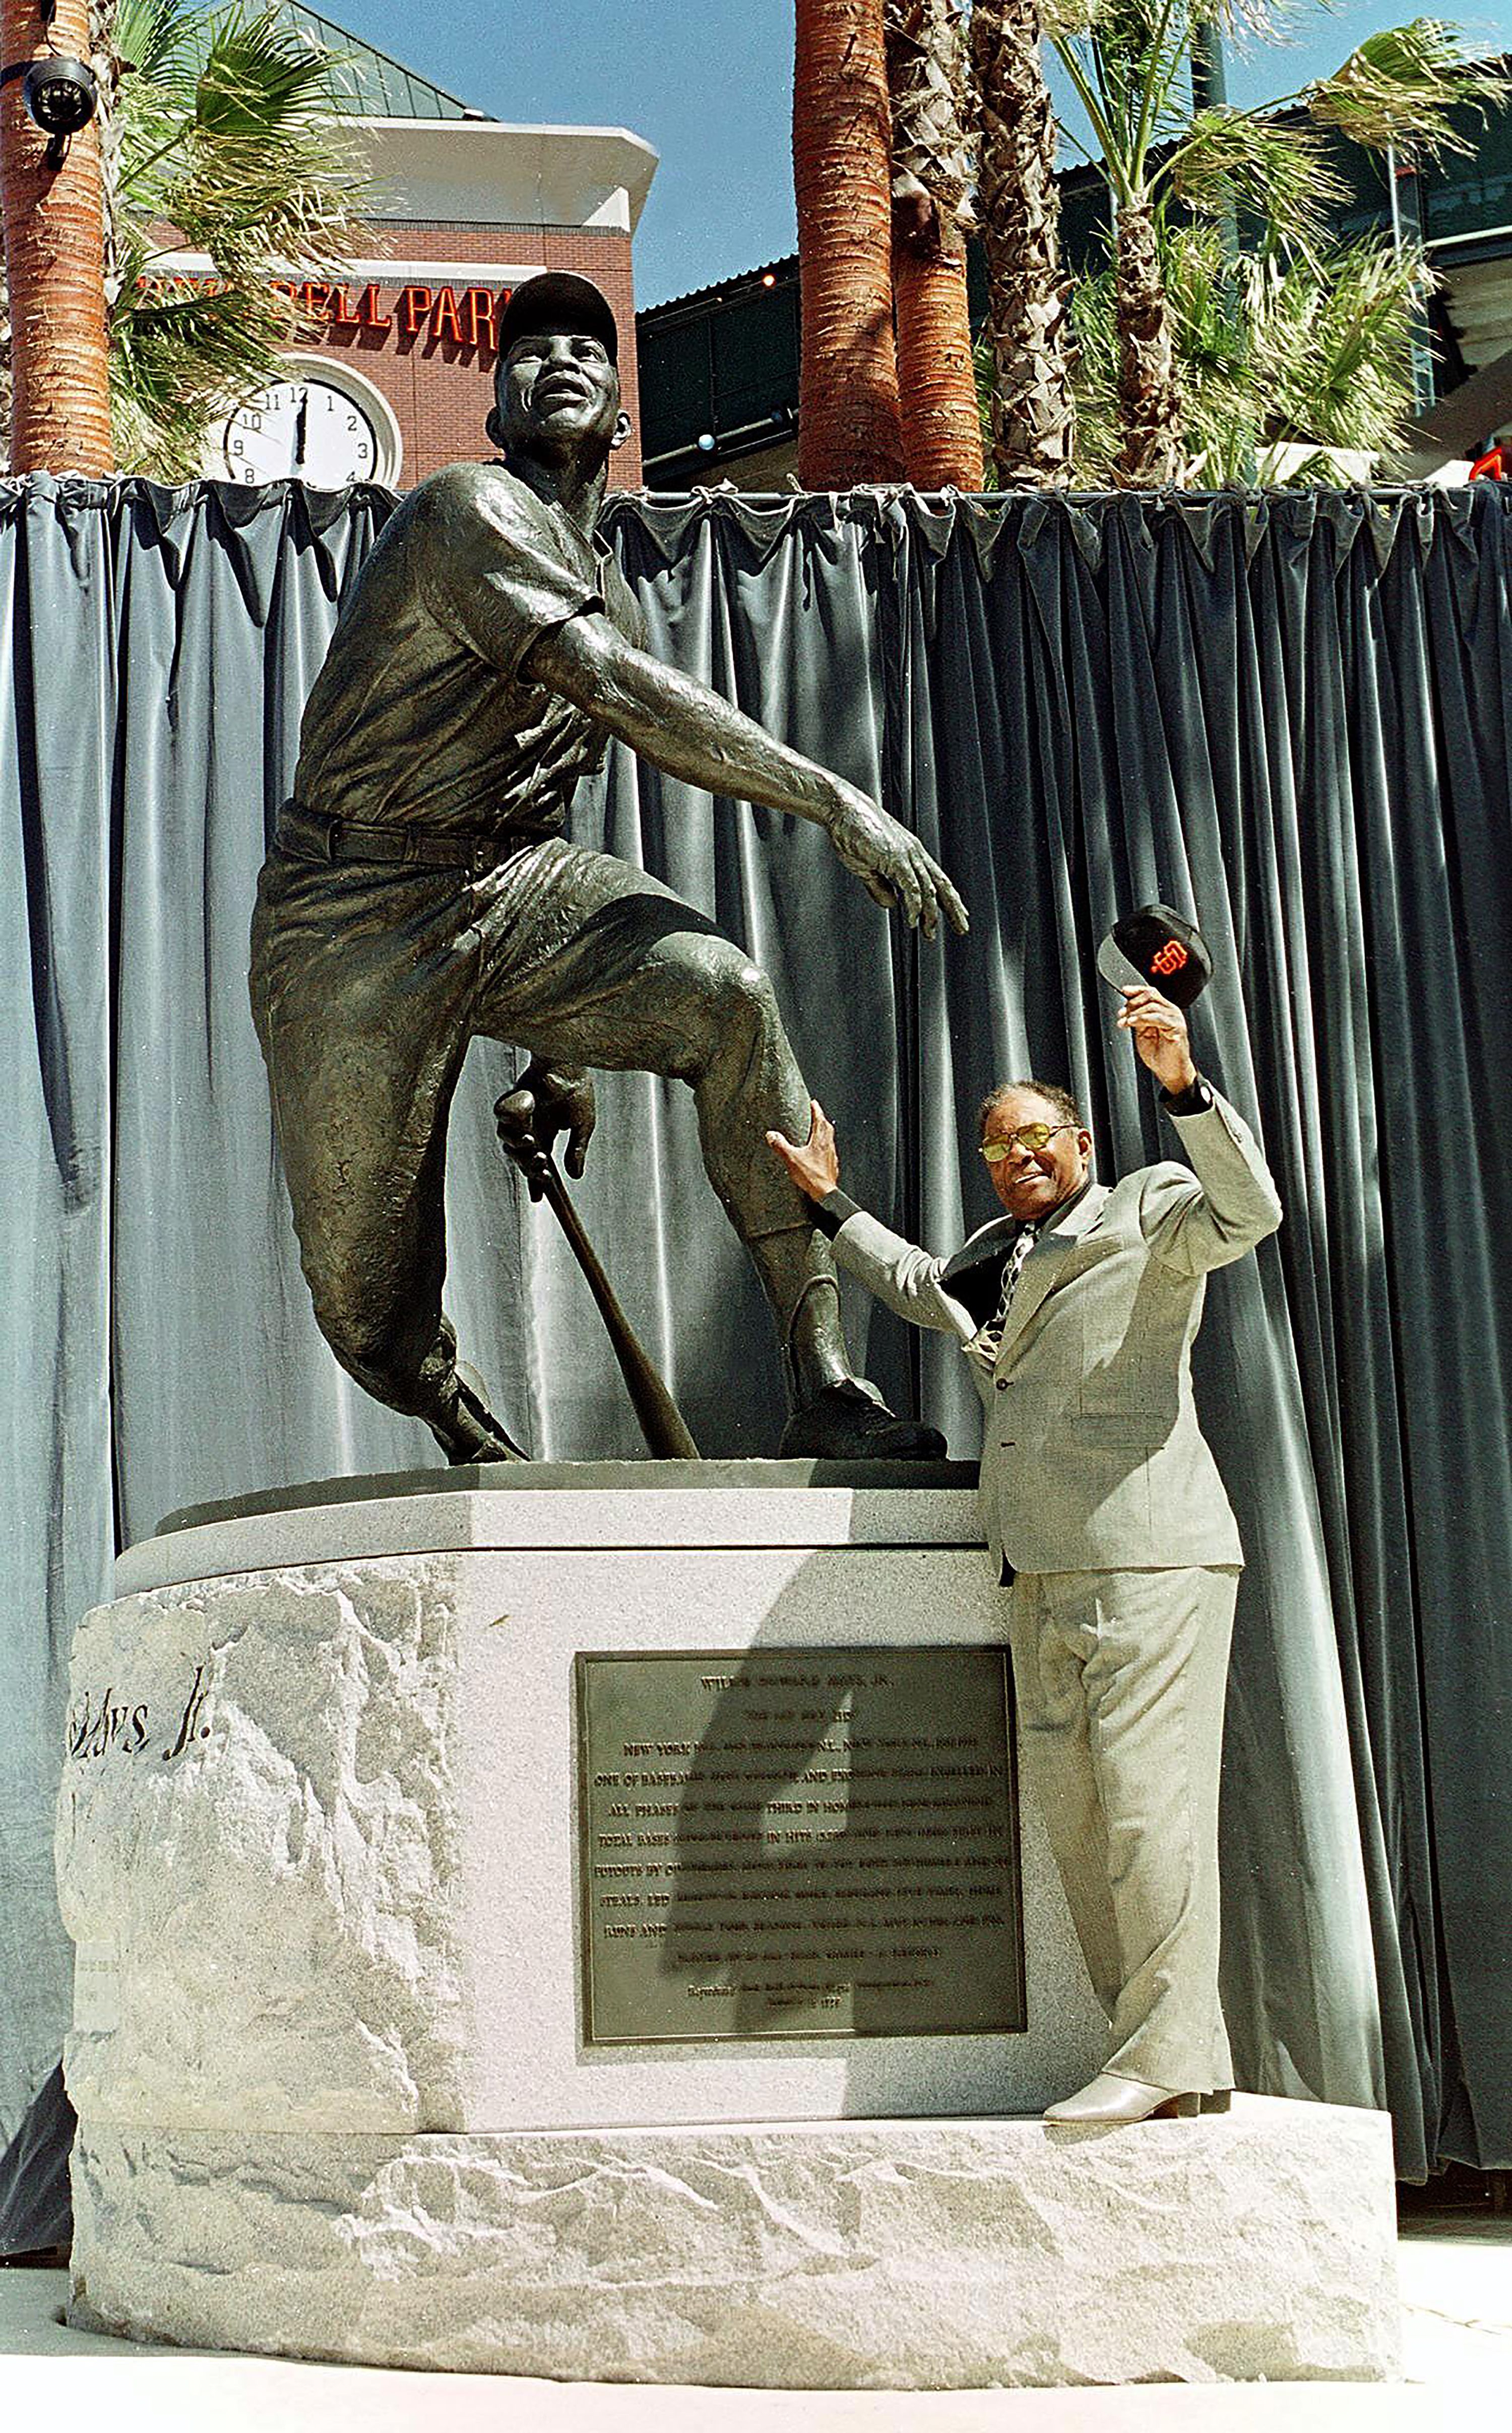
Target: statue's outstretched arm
{"type": "Point", "coordinates": [682, 727]}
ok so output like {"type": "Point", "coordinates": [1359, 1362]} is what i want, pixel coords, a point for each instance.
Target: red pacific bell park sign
{"type": "Point", "coordinates": [466, 316]}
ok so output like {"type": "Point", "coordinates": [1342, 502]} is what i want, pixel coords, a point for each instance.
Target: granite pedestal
{"type": "Point", "coordinates": [319, 1850]}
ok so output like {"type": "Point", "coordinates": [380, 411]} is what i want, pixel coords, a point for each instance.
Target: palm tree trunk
{"type": "Point", "coordinates": [105, 60]}
{"type": "Point", "coordinates": [1033, 408]}
{"type": "Point", "coordinates": [1149, 383]}
{"type": "Point", "coordinates": [931, 182]}
{"type": "Point", "coordinates": [61, 407]}
{"type": "Point", "coordinates": [848, 428]}
{"type": "Point", "coordinates": [937, 380]}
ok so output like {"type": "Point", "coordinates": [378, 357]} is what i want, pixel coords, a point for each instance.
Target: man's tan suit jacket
{"type": "Point", "coordinates": [1093, 1458]}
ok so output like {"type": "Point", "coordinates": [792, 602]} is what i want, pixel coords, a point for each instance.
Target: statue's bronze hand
{"type": "Point", "coordinates": [890, 862]}
{"type": "Point", "coordinates": [530, 1117]}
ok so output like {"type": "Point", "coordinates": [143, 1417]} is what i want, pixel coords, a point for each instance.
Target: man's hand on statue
{"type": "Point", "coordinates": [534, 1114]}
{"type": "Point", "coordinates": [1159, 1037]}
{"type": "Point", "coordinates": [814, 1163]}
{"type": "Point", "coordinates": [890, 862]}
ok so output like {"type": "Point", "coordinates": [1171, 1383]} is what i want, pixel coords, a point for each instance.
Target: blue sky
{"type": "Point", "coordinates": [710, 83]}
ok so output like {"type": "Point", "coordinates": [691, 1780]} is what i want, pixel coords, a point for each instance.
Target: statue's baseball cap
{"type": "Point", "coordinates": [1155, 948]}
{"type": "Point", "coordinates": [559, 296]}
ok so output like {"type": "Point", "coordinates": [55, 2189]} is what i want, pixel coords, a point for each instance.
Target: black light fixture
{"type": "Point", "coordinates": [62, 96]}
{"type": "Point", "coordinates": [60, 93]}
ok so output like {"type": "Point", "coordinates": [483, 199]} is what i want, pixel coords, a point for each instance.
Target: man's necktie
{"type": "Point", "coordinates": [988, 1342]}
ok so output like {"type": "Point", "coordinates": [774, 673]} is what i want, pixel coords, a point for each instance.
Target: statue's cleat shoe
{"type": "Point", "coordinates": [468, 1432]}
{"type": "Point", "coordinates": [492, 1445]}
{"type": "Point", "coordinates": [848, 1423]}
{"type": "Point", "coordinates": [1116, 2101]}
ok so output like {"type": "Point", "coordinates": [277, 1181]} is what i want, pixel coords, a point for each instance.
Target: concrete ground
{"type": "Point", "coordinates": [1456, 2286]}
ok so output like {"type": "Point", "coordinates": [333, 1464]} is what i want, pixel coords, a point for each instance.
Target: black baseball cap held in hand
{"type": "Point", "coordinates": [1155, 948]}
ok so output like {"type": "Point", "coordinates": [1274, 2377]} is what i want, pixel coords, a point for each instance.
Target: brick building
{"type": "Point", "coordinates": [394, 376]}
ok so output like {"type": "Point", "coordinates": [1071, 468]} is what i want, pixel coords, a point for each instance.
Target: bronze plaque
{"type": "Point", "coordinates": [803, 1842]}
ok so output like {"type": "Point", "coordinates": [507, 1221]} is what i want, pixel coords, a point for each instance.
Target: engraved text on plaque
{"type": "Point", "coordinates": [808, 1842]}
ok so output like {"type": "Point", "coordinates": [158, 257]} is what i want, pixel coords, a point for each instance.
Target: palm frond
{"type": "Point", "coordinates": [1405, 85]}
{"type": "Point", "coordinates": [1138, 52]}
{"type": "Point", "coordinates": [162, 41]}
{"type": "Point", "coordinates": [1334, 353]}
{"type": "Point", "coordinates": [1222, 409]}
{"type": "Point", "coordinates": [261, 79]}
{"type": "Point", "coordinates": [1068, 21]}
{"type": "Point", "coordinates": [180, 362]}
{"type": "Point", "coordinates": [1275, 173]}
{"type": "Point", "coordinates": [1265, 20]}
{"type": "Point", "coordinates": [1099, 436]}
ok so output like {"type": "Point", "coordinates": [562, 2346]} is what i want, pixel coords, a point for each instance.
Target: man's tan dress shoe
{"type": "Point", "coordinates": [1123, 2100]}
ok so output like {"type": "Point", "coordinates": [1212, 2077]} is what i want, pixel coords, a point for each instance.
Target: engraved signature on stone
{"type": "Point", "coordinates": [95, 1731]}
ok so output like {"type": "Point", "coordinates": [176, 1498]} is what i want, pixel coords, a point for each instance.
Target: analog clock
{"type": "Point", "coordinates": [303, 428]}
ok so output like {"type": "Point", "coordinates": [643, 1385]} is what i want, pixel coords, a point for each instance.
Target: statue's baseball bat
{"type": "Point", "coordinates": [661, 1422]}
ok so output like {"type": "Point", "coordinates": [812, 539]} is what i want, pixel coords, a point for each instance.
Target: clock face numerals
{"type": "Point", "coordinates": [303, 429]}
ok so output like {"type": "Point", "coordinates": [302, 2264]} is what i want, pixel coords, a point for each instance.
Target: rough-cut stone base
{"type": "Point", "coordinates": [316, 1811]}
{"type": "Point", "coordinates": [872, 2254]}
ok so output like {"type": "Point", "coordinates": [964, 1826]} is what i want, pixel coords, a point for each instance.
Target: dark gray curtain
{"type": "Point", "coordinates": [1291, 717]}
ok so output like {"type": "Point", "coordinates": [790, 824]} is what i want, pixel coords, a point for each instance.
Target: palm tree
{"type": "Point", "coordinates": [1293, 365]}
{"type": "Point", "coordinates": [848, 427]}
{"type": "Point", "coordinates": [1033, 405]}
{"type": "Point", "coordinates": [1128, 61]}
{"type": "Point", "coordinates": [224, 143]}
{"type": "Point", "coordinates": [932, 174]}
{"type": "Point", "coordinates": [54, 250]}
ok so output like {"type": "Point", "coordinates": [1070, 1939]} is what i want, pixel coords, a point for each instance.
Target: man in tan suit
{"type": "Point", "coordinates": [1104, 1506]}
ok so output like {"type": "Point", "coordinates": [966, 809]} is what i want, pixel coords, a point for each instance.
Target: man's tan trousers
{"type": "Point", "coordinates": [1120, 1678]}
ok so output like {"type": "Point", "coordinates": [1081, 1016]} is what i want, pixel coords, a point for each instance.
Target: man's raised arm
{"type": "Point", "coordinates": [677, 724]}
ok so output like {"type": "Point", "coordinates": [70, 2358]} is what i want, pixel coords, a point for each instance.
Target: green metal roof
{"type": "Point", "coordinates": [369, 83]}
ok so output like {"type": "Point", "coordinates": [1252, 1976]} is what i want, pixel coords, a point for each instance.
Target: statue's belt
{"type": "Point", "coordinates": [316, 838]}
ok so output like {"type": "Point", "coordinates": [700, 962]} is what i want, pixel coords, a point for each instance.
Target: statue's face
{"type": "Point", "coordinates": [557, 390]}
